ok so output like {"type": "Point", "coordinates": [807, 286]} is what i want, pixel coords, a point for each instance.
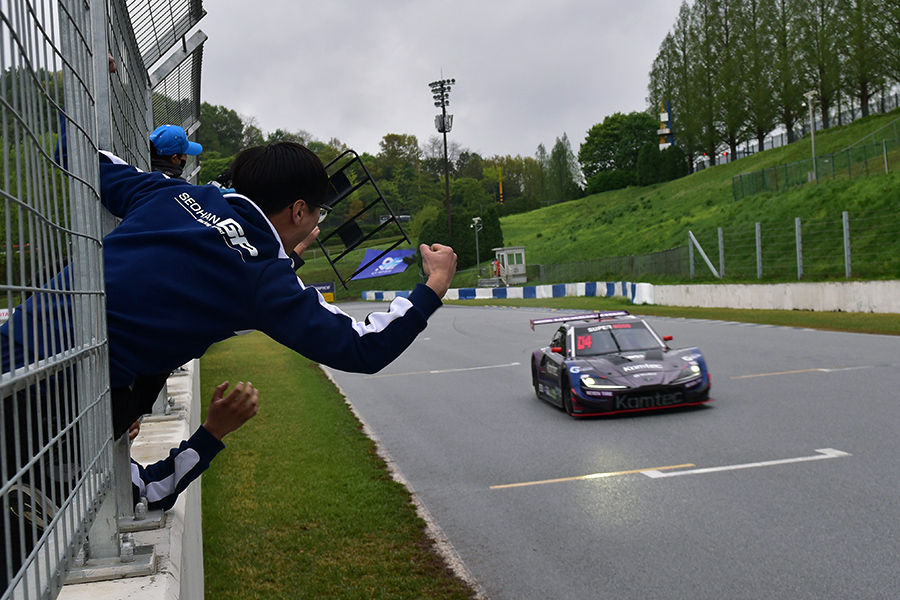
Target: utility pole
{"type": "Point", "coordinates": [476, 225]}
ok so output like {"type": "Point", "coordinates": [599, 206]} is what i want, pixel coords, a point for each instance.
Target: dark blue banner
{"type": "Point", "coordinates": [326, 289]}
{"type": "Point", "coordinates": [389, 264]}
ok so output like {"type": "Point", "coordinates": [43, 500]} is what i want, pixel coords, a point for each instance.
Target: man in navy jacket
{"type": "Point", "coordinates": [188, 267]}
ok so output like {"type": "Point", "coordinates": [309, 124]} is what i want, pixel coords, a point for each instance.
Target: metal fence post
{"type": "Point", "coordinates": [758, 251]}
{"type": "Point", "coordinates": [691, 255]}
{"type": "Point", "coordinates": [799, 248]}
{"type": "Point", "coordinates": [721, 253]}
{"type": "Point", "coordinates": [884, 143]}
{"type": "Point", "coordinates": [845, 217]}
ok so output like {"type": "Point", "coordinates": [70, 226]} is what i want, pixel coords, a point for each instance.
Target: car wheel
{"type": "Point", "coordinates": [534, 381]}
{"type": "Point", "coordinates": [567, 397]}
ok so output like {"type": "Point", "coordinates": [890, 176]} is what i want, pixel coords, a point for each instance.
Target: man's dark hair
{"type": "Point", "coordinates": [154, 153]}
{"type": "Point", "coordinates": [276, 175]}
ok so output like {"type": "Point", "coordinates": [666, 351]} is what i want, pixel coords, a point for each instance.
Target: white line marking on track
{"type": "Point", "coordinates": [823, 454]}
{"type": "Point", "coordinates": [813, 370]}
{"type": "Point", "coordinates": [585, 477]}
{"type": "Point", "coordinates": [515, 364]}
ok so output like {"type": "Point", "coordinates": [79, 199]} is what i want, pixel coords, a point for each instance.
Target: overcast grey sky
{"type": "Point", "coordinates": [526, 71]}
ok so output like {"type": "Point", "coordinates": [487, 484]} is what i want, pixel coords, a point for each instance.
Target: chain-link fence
{"type": "Point", "coordinates": [73, 79]}
{"type": "Point", "coordinates": [666, 263]}
{"type": "Point", "coordinates": [863, 246]}
{"type": "Point", "coordinates": [876, 154]}
{"type": "Point", "coordinates": [860, 246]}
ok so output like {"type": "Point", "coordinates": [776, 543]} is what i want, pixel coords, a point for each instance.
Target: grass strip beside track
{"type": "Point", "coordinates": [299, 505]}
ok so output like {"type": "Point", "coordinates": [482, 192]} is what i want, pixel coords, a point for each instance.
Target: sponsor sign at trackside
{"type": "Point", "coordinates": [326, 289]}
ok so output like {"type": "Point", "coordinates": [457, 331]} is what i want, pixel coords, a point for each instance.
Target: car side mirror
{"type": "Point", "coordinates": [556, 349]}
{"type": "Point", "coordinates": [667, 338]}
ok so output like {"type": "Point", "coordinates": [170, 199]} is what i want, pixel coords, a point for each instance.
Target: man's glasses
{"type": "Point", "coordinates": [323, 212]}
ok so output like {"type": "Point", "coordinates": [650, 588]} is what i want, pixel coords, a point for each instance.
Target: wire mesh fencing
{"type": "Point", "coordinates": [666, 263]}
{"type": "Point", "coordinates": [863, 246]}
{"type": "Point", "coordinates": [73, 79]}
{"type": "Point", "coordinates": [56, 453]}
{"type": "Point", "coordinates": [861, 160]}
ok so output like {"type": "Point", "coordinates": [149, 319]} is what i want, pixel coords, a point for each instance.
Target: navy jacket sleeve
{"type": "Point", "coordinates": [162, 481]}
{"type": "Point", "coordinates": [306, 323]}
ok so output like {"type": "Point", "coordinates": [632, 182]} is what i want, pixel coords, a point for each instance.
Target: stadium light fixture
{"type": "Point", "coordinates": [440, 91]}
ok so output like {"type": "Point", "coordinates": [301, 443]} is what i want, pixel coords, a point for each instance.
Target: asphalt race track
{"type": "Point", "coordinates": [787, 486]}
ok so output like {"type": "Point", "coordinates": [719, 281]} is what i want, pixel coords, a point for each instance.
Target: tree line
{"type": "Point", "coordinates": [736, 70]}
{"type": "Point", "coordinates": [411, 177]}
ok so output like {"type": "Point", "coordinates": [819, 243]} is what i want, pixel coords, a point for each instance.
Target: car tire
{"type": "Point", "coordinates": [566, 392]}
{"type": "Point", "coordinates": [534, 381]}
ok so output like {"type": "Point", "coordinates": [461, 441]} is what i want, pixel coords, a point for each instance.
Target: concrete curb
{"type": "Point", "coordinates": [559, 290]}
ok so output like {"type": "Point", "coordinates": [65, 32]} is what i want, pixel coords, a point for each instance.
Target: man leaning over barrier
{"type": "Point", "coordinates": [188, 267]}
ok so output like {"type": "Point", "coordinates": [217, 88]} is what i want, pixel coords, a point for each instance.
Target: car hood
{"type": "Point", "coordinates": [634, 369]}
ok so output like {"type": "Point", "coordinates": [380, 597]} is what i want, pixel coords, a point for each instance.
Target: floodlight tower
{"type": "Point", "coordinates": [444, 122]}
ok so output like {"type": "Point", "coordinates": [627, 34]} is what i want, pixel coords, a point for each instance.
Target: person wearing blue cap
{"type": "Point", "coordinates": [169, 149]}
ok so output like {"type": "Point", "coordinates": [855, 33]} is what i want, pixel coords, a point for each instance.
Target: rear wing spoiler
{"type": "Point", "coordinates": [595, 316]}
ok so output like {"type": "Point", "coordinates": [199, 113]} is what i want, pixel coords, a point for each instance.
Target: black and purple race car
{"type": "Point", "coordinates": [612, 362]}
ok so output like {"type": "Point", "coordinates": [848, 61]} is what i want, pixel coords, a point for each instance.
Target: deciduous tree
{"type": "Point", "coordinates": [614, 144]}
{"type": "Point", "coordinates": [759, 70]}
{"type": "Point", "coordinates": [820, 33]}
{"type": "Point", "coordinates": [221, 130]}
{"type": "Point", "coordinates": [864, 67]}
{"type": "Point", "coordinates": [564, 176]}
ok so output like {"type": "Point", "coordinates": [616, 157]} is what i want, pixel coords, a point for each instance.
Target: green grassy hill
{"type": "Point", "coordinates": [647, 219]}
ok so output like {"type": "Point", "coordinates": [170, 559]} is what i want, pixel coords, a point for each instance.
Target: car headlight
{"type": "Point", "coordinates": [600, 383]}
{"type": "Point", "coordinates": [688, 373]}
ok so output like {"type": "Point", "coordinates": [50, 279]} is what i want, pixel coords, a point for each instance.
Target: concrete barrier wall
{"type": "Point", "coordinates": [851, 296]}
{"type": "Point", "coordinates": [178, 545]}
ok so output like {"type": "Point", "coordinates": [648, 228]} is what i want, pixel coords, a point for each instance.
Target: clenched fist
{"type": "Point", "coordinates": [439, 264]}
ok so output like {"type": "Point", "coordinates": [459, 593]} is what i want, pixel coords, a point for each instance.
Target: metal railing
{"type": "Point", "coordinates": [59, 103]}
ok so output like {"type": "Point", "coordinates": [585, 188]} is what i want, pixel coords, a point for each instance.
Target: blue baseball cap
{"type": "Point", "coordinates": [171, 139]}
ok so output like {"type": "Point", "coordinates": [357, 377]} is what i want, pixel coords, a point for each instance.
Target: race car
{"type": "Point", "coordinates": [613, 362]}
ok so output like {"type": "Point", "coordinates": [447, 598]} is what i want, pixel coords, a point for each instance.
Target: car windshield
{"type": "Point", "coordinates": [613, 337]}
